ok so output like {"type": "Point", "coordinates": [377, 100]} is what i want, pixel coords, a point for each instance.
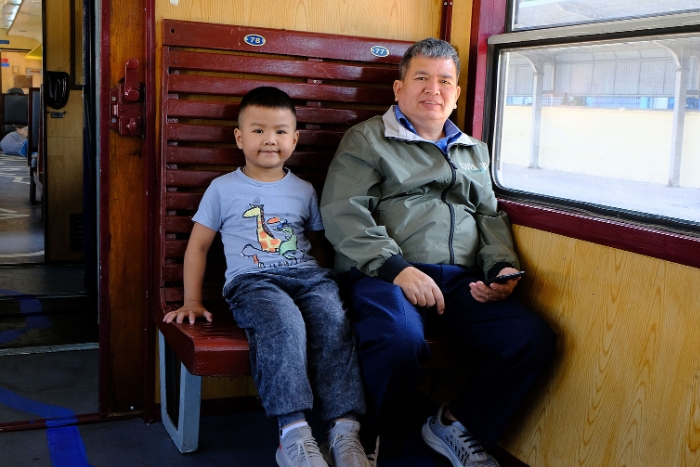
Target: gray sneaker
{"type": "Point", "coordinates": [344, 447]}
{"type": "Point", "coordinates": [299, 449]}
{"type": "Point", "coordinates": [372, 458]}
{"type": "Point", "coordinates": [454, 442]}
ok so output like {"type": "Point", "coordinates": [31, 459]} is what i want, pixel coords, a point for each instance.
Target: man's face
{"type": "Point", "coordinates": [428, 93]}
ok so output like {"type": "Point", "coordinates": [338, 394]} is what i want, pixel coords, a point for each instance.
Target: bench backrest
{"type": "Point", "coordinates": [335, 82]}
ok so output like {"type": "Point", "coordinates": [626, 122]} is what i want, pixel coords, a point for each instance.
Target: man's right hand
{"type": "Point", "coordinates": [191, 311]}
{"type": "Point", "coordinates": [420, 289]}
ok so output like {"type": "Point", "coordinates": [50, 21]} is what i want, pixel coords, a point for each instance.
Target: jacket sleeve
{"type": "Point", "coordinates": [496, 249]}
{"type": "Point", "coordinates": [350, 195]}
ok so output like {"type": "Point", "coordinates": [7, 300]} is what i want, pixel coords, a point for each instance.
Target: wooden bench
{"type": "Point", "coordinates": [335, 81]}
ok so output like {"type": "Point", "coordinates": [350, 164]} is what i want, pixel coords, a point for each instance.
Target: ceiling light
{"type": "Point", "coordinates": [9, 11]}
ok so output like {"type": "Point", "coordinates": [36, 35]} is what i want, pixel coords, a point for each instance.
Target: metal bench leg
{"type": "Point", "coordinates": [185, 434]}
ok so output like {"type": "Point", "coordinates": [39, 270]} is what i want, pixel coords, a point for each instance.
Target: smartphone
{"type": "Point", "coordinates": [504, 278]}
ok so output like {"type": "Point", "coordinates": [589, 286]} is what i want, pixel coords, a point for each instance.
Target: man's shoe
{"type": "Point", "coordinates": [299, 449]}
{"type": "Point", "coordinates": [372, 458]}
{"type": "Point", "coordinates": [344, 446]}
{"type": "Point", "coordinates": [454, 442]}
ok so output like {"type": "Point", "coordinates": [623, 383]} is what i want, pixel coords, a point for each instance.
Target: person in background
{"type": "Point", "coordinates": [13, 142]}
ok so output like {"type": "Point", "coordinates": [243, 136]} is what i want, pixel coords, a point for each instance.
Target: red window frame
{"type": "Point", "coordinates": [489, 18]}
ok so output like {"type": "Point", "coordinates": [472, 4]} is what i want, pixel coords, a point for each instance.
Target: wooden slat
{"type": "Point", "coordinates": [200, 133]}
{"type": "Point", "coordinates": [201, 61]}
{"type": "Point", "coordinates": [203, 156]}
{"type": "Point", "coordinates": [187, 201]}
{"type": "Point", "coordinates": [304, 44]}
{"type": "Point", "coordinates": [175, 248]}
{"type": "Point", "coordinates": [178, 224]}
{"type": "Point", "coordinates": [191, 178]}
{"type": "Point", "coordinates": [308, 159]}
{"type": "Point", "coordinates": [237, 87]}
{"type": "Point", "coordinates": [234, 157]}
{"type": "Point", "coordinates": [180, 108]}
{"type": "Point", "coordinates": [176, 294]}
{"type": "Point", "coordinates": [195, 133]}
{"type": "Point", "coordinates": [173, 273]}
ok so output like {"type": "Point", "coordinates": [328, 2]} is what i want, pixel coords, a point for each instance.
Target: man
{"type": "Point", "coordinates": [410, 210]}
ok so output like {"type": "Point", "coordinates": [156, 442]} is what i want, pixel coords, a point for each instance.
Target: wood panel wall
{"type": "Point", "coordinates": [19, 60]}
{"type": "Point", "coordinates": [623, 390]}
{"type": "Point", "coordinates": [390, 19]}
{"type": "Point", "coordinates": [64, 141]}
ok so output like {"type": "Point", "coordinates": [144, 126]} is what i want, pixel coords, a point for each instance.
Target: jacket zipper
{"type": "Point", "coordinates": [451, 208]}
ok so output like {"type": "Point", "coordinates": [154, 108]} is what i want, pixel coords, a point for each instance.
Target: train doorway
{"type": "Point", "coordinates": [48, 298]}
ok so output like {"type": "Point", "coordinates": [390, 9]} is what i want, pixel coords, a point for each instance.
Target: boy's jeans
{"type": "Point", "coordinates": [301, 341]}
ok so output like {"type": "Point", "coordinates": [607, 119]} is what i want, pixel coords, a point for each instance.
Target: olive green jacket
{"type": "Point", "coordinates": [389, 192]}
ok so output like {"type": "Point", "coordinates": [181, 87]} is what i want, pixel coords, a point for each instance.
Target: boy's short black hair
{"type": "Point", "coordinates": [268, 97]}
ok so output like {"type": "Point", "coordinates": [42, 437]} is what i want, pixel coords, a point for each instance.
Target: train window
{"type": "Point", "coordinates": [606, 122]}
{"type": "Point", "coordinates": [546, 13]}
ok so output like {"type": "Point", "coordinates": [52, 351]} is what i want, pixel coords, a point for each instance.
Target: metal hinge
{"type": "Point", "coordinates": [127, 103]}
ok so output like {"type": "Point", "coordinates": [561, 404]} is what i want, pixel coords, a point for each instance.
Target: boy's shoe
{"type": "Point", "coordinates": [344, 446]}
{"type": "Point", "coordinates": [454, 442]}
{"type": "Point", "coordinates": [299, 449]}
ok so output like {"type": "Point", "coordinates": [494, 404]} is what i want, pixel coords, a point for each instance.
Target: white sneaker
{"type": "Point", "coordinates": [298, 448]}
{"type": "Point", "coordinates": [372, 458]}
{"type": "Point", "coordinates": [344, 446]}
{"type": "Point", "coordinates": [456, 443]}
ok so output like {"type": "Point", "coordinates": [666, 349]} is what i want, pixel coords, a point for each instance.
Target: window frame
{"type": "Point", "coordinates": [668, 241]}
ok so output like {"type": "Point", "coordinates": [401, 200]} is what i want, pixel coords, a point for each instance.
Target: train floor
{"type": "Point", "coordinates": [68, 385]}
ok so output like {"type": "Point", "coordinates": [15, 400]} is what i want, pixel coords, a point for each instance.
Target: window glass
{"type": "Point", "coordinates": [611, 123]}
{"type": "Point", "coordinates": [528, 14]}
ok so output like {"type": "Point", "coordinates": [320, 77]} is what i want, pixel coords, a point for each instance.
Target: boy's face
{"type": "Point", "coordinates": [267, 137]}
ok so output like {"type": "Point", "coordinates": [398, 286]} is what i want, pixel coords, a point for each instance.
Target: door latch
{"type": "Point", "coordinates": [126, 103]}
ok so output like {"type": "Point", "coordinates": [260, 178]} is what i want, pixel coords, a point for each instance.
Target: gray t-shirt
{"type": "Point", "coordinates": [261, 223]}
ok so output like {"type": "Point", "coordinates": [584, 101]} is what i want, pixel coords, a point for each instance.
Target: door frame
{"type": "Point", "coordinates": [127, 343]}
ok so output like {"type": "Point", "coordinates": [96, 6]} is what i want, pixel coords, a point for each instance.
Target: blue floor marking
{"type": "Point", "coordinates": [28, 305]}
{"type": "Point", "coordinates": [66, 447]}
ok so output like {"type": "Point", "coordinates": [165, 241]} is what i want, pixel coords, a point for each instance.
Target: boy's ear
{"type": "Point", "coordinates": [237, 133]}
{"type": "Point", "coordinates": [296, 137]}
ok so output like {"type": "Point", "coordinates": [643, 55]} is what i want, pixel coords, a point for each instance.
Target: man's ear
{"type": "Point", "coordinates": [237, 133]}
{"type": "Point", "coordinates": [398, 84]}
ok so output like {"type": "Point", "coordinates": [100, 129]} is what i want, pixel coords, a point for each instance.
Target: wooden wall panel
{"type": "Point", "coordinates": [19, 60]}
{"type": "Point", "coordinates": [64, 173]}
{"type": "Point", "coordinates": [624, 387]}
{"type": "Point", "coordinates": [461, 30]}
{"type": "Point", "coordinates": [391, 19]}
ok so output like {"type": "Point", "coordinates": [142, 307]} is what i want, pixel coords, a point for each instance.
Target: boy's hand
{"type": "Point", "coordinates": [192, 311]}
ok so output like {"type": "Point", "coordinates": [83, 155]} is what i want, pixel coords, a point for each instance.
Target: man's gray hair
{"type": "Point", "coordinates": [429, 48]}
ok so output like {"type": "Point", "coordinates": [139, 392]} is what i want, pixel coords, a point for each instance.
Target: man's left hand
{"type": "Point", "coordinates": [491, 293]}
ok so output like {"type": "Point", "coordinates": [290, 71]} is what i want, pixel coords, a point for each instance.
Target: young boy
{"type": "Point", "coordinates": [299, 334]}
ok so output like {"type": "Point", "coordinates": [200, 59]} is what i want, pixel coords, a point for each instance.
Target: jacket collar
{"type": "Point", "coordinates": [394, 130]}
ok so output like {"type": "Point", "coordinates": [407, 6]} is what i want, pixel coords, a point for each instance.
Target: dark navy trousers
{"type": "Point", "coordinates": [508, 346]}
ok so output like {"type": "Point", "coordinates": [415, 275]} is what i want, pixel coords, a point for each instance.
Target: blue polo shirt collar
{"type": "Point", "coordinates": [452, 133]}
